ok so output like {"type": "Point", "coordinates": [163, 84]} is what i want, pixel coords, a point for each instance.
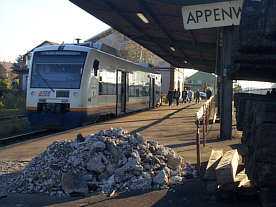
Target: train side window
{"type": "Point", "coordinates": [96, 67]}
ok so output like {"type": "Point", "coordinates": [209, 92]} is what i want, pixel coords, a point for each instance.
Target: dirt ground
{"type": "Point", "coordinates": [171, 126]}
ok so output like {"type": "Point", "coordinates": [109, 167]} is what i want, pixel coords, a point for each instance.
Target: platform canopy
{"type": "Point", "coordinates": [162, 32]}
{"type": "Point", "coordinates": [158, 26]}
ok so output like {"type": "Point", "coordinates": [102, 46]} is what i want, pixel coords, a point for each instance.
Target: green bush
{"type": "Point", "coordinates": [1, 105]}
{"type": "Point", "coordinates": [13, 99]}
{"type": "Point", "coordinates": [5, 84]}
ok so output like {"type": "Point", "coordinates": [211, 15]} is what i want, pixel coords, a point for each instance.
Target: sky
{"type": "Point", "coordinates": [24, 24]}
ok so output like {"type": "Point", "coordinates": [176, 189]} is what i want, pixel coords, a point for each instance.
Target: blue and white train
{"type": "Point", "coordinates": [71, 84]}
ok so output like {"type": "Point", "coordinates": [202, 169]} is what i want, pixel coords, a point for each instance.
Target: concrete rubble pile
{"type": "Point", "coordinates": [108, 161]}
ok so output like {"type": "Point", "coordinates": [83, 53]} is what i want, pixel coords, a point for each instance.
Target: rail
{"type": "Point", "coordinates": [22, 137]}
{"type": "Point", "coordinates": [12, 117]}
{"type": "Point", "coordinates": [202, 116]}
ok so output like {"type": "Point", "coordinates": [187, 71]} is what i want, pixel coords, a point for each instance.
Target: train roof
{"type": "Point", "coordinates": [87, 48]}
{"type": "Point", "coordinates": [64, 47]}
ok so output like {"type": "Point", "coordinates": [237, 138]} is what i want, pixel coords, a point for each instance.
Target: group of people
{"type": "Point", "coordinates": [173, 95]}
{"type": "Point", "coordinates": [187, 96]}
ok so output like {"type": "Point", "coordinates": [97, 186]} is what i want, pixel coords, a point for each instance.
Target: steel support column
{"type": "Point", "coordinates": [226, 85]}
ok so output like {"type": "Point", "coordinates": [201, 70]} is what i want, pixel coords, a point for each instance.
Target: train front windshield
{"type": "Point", "coordinates": [57, 69]}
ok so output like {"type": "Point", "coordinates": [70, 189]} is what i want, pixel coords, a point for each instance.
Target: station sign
{"type": "Point", "coordinates": [212, 15]}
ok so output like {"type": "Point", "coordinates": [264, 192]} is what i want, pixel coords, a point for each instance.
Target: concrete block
{"type": "Point", "coordinates": [210, 186]}
{"type": "Point", "coordinates": [213, 161]}
{"type": "Point", "coordinates": [242, 179]}
{"type": "Point", "coordinates": [227, 167]}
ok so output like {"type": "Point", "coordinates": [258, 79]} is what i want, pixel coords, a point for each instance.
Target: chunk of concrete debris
{"type": "Point", "coordinates": [174, 180]}
{"type": "Point", "coordinates": [141, 184]}
{"type": "Point", "coordinates": [227, 167]}
{"type": "Point", "coordinates": [242, 179]}
{"type": "Point", "coordinates": [139, 138]}
{"type": "Point", "coordinates": [73, 184]}
{"type": "Point", "coordinates": [161, 178]}
{"type": "Point", "coordinates": [97, 146]}
{"type": "Point", "coordinates": [95, 164]}
{"type": "Point", "coordinates": [80, 138]}
{"type": "Point", "coordinates": [174, 161]}
{"type": "Point", "coordinates": [213, 161]}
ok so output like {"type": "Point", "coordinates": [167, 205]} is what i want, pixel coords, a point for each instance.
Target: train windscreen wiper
{"type": "Point", "coordinates": [45, 81]}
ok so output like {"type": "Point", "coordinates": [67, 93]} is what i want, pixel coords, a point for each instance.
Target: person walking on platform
{"type": "Point", "coordinates": [190, 96]}
{"type": "Point", "coordinates": [177, 96]}
{"type": "Point", "coordinates": [273, 92]}
{"type": "Point", "coordinates": [170, 97]}
{"type": "Point", "coordinates": [197, 96]}
{"type": "Point", "coordinates": [184, 95]}
{"type": "Point", "coordinates": [208, 93]}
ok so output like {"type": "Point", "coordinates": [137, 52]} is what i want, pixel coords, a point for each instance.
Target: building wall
{"type": "Point", "coordinates": [172, 78]}
{"type": "Point", "coordinates": [115, 40]}
{"type": "Point", "coordinates": [179, 79]}
{"type": "Point", "coordinates": [28, 56]}
{"type": "Point", "coordinates": [165, 74]}
{"type": "Point", "coordinates": [123, 44]}
{"type": "Point", "coordinates": [201, 80]}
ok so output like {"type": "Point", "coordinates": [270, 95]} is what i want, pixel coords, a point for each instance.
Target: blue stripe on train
{"type": "Point", "coordinates": [66, 120]}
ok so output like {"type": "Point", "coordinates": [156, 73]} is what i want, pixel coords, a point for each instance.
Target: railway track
{"type": "Point", "coordinates": [43, 132]}
{"type": "Point", "coordinates": [25, 136]}
{"type": "Point", "coordinates": [4, 118]}
{"type": "Point", "coordinates": [38, 133]}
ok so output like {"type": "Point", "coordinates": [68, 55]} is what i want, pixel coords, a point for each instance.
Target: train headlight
{"type": "Point", "coordinates": [32, 93]}
{"type": "Point", "coordinates": [76, 94]}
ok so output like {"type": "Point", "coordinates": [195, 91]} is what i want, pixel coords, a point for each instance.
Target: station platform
{"type": "Point", "coordinates": [171, 126]}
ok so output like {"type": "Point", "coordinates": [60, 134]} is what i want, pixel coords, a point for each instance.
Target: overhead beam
{"type": "Point", "coordinates": [163, 29]}
{"type": "Point", "coordinates": [195, 43]}
{"type": "Point", "coordinates": [121, 19]}
{"type": "Point", "coordinates": [134, 25]}
{"type": "Point", "coordinates": [204, 47]}
{"type": "Point", "coordinates": [196, 61]}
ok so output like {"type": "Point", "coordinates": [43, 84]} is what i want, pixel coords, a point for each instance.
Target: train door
{"type": "Point", "coordinates": [121, 92]}
{"type": "Point", "coordinates": [94, 85]}
{"type": "Point", "coordinates": [94, 90]}
{"type": "Point", "coordinates": [152, 101]}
